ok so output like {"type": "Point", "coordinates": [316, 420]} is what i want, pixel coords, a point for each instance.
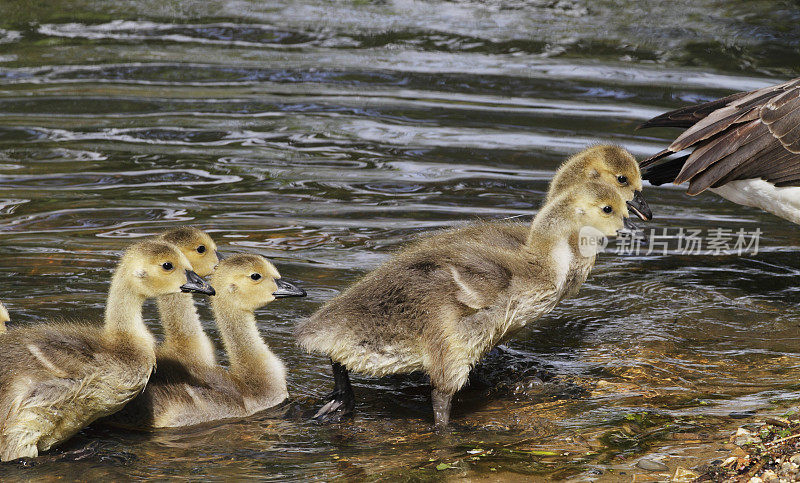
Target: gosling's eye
{"type": "Point", "coordinates": [607, 209]}
{"type": "Point", "coordinates": [622, 179]}
{"type": "Point", "coordinates": [256, 276]}
{"type": "Point", "coordinates": [166, 266]}
{"type": "Point", "coordinates": [201, 249]}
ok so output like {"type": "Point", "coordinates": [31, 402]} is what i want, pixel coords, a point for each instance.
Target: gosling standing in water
{"type": "Point", "coordinates": [184, 393]}
{"type": "Point", "coordinates": [441, 304]}
{"type": "Point", "coordinates": [58, 378]}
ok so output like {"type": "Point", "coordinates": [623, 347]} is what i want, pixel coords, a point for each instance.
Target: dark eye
{"type": "Point", "coordinates": [167, 266]}
{"type": "Point", "coordinates": [255, 276]}
{"type": "Point", "coordinates": [201, 249]}
{"type": "Point", "coordinates": [607, 209]}
{"type": "Point", "coordinates": [622, 179]}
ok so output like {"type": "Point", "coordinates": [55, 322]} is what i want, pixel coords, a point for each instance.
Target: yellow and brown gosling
{"type": "Point", "coordinates": [184, 338]}
{"type": "Point", "coordinates": [441, 304]}
{"type": "Point", "coordinates": [59, 377]}
{"type": "Point", "coordinates": [605, 164]}
{"type": "Point", "coordinates": [182, 394]}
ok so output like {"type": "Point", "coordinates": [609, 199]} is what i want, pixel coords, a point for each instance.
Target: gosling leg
{"type": "Point", "coordinates": [441, 408]}
{"type": "Point", "coordinates": [341, 401]}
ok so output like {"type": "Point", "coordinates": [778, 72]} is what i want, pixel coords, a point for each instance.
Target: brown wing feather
{"type": "Point", "coordinates": [782, 117]}
{"type": "Point", "coordinates": [774, 153]}
{"type": "Point", "coordinates": [688, 116]}
{"type": "Point", "coordinates": [715, 149]}
{"type": "Point", "coordinates": [750, 135]}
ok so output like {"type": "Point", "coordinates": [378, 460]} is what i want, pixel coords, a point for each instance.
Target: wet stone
{"type": "Point", "coordinates": [744, 437]}
{"type": "Point", "coordinates": [684, 475]}
{"type": "Point", "coordinates": [778, 421]}
{"type": "Point", "coordinates": [651, 465]}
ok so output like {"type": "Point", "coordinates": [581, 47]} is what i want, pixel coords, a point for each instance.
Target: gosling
{"type": "Point", "coordinates": [605, 164]}
{"type": "Point", "coordinates": [186, 352]}
{"type": "Point", "coordinates": [184, 338]}
{"type": "Point", "coordinates": [441, 304]}
{"type": "Point", "coordinates": [183, 394]}
{"type": "Point", "coordinates": [59, 377]}
{"type": "Point", "coordinates": [4, 317]}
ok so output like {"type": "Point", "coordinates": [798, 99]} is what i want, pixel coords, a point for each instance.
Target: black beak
{"type": "Point", "coordinates": [195, 284]}
{"type": "Point", "coordinates": [286, 289]}
{"type": "Point", "coordinates": [219, 255]}
{"type": "Point", "coordinates": [639, 206]}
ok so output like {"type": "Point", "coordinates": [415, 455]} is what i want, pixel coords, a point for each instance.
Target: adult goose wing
{"type": "Point", "coordinates": [746, 135]}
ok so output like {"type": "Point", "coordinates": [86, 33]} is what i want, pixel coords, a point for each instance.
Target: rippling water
{"type": "Point", "coordinates": [324, 135]}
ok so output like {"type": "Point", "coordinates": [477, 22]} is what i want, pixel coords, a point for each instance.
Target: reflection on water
{"type": "Point", "coordinates": [325, 135]}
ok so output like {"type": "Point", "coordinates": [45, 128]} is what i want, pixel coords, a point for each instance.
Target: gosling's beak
{"type": "Point", "coordinates": [639, 206]}
{"type": "Point", "coordinates": [195, 284]}
{"type": "Point", "coordinates": [286, 289]}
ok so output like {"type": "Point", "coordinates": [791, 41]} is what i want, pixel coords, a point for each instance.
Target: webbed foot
{"type": "Point", "coordinates": [341, 401]}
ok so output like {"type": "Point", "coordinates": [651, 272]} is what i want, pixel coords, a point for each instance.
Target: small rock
{"type": "Point", "coordinates": [730, 461]}
{"type": "Point", "coordinates": [742, 414]}
{"type": "Point", "coordinates": [769, 476]}
{"type": "Point", "coordinates": [684, 475]}
{"type": "Point", "coordinates": [795, 459]}
{"type": "Point", "coordinates": [755, 479]}
{"type": "Point", "coordinates": [778, 421]}
{"type": "Point", "coordinates": [743, 437]}
{"type": "Point", "coordinates": [745, 440]}
{"type": "Point", "coordinates": [739, 452]}
{"type": "Point", "coordinates": [652, 465]}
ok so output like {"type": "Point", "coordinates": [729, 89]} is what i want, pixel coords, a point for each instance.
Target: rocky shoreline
{"type": "Point", "coordinates": [764, 452]}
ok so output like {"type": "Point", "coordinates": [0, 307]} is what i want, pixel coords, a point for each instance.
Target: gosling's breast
{"type": "Point", "coordinates": [562, 261]}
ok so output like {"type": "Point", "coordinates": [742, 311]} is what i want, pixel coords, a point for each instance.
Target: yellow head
{"type": "Point", "coordinates": [249, 281]}
{"type": "Point", "coordinates": [593, 205]}
{"type": "Point", "coordinates": [606, 164]}
{"type": "Point", "coordinates": [154, 268]}
{"type": "Point", "coordinates": [196, 245]}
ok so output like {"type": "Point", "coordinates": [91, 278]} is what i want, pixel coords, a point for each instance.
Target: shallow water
{"type": "Point", "coordinates": [324, 135]}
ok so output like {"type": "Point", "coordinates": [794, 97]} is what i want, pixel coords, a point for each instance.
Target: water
{"type": "Point", "coordinates": [324, 135]}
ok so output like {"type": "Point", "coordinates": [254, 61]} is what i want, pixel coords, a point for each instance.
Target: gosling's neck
{"type": "Point", "coordinates": [183, 332]}
{"type": "Point", "coordinates": [251, 361]}
{"type": "Point", "coordinates": [123, 315]}
{"type": "Point", "coordinates": [551, 227]}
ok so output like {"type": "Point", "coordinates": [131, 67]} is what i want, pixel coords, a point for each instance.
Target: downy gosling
{"type": "Point", "coordinates": [186, 352]}
{"type": "Point", "coordinates": [184, 338]}
{"type": "Point", "coordinates": [605, 164]}
{"type": "Point", "coordinates": [59, 377]}
{"type": "Point", "coordinates": [183, 394]}
{"type": "Point", "coordinates": [439, 305]}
